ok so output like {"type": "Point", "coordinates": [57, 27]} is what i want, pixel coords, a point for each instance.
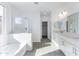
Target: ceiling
{"type": "Point", "coordinates": [46, 7]}
{"type": "Point", "coordinates": [31, 6]}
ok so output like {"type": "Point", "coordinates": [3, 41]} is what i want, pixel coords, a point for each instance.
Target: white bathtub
{"type": "Point", "coordinates": [18, 44]}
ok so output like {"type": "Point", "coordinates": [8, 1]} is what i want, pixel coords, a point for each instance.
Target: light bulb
{"type": "Point", "coordinates": [60, 15]}
{"type": "Point", "coordinates": [64, 13]}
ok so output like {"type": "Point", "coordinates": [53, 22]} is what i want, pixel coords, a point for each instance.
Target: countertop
{"type": "Point", "coordinates": [70, 37]}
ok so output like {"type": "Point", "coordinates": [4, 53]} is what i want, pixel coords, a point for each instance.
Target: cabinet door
{"type": "Point", "coordinates": [76, 50]}
{"type": "Point", "coordinates": [67, 47]}
{"type": "Point", "coordinates": [61, 44]}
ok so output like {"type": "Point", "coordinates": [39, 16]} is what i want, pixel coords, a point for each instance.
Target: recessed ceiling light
{"type": "Point", "coordinates": [36, 3]}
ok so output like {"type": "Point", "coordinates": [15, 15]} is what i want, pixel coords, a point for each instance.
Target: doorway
{"type": "Point", "coordinates": [45, 32]}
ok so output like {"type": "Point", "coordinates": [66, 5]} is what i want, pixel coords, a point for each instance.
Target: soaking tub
{"type": "Point", "coordinates": [17, 45]}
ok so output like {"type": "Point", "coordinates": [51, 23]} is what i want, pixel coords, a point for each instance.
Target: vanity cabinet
{"type": "Point", "coordinates": [67, 47]}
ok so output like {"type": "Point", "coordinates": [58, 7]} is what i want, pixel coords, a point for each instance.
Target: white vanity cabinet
{"type": "Point", "coordinates": [67, 47]}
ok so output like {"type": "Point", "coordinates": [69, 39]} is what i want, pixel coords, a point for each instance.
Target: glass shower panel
{"type": "Point", "coordinates": [20, 25]}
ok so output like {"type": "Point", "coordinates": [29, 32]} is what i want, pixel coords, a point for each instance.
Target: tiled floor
{"type": "Point", "coordinates": [55, 53]}
{"type": "Point", "coordinates": [45, 48]}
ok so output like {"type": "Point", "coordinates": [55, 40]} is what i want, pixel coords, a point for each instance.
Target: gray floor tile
{"type": "Point", "coordinates": [37, 45]}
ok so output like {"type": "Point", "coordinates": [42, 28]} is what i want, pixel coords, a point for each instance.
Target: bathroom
{"type": "Point", "coordinates": [21, 26]}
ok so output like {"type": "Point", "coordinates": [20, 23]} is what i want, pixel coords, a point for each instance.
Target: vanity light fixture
{"type": "Point", "coordinates": [62, 14]}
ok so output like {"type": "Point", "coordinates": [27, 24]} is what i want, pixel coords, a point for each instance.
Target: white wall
{"type": "Point", "coordinates": [35, 25]}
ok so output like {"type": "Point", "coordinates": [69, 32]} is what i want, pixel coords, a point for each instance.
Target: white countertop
{"type": "Point", "coordinates": [70, 37]}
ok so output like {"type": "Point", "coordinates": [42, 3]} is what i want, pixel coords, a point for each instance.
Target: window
{"type": "Point", "coordinates": [18, 20]}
